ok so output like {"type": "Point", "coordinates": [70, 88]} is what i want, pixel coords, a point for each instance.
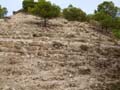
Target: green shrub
{"type": "Point", "coordinates": [74, 14]}
{"type": "Point", "coordinates": [89, 17]}
{"type": "Point", "coordinates": [116, 33]}
{"type": "Point", "coordinates": [116, 23]}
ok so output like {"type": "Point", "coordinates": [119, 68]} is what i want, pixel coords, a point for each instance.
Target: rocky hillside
{"type": "Point", "coordinates": [63, 56]}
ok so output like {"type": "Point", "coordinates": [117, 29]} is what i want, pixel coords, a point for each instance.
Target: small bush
{"type": "Point", "coordinates": [116, 23]}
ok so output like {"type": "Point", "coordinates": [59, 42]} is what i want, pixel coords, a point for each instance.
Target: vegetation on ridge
{"type": "Point", "coordinates": [3, 11]}
{"type": "Point", "coordinates": [106, 14]}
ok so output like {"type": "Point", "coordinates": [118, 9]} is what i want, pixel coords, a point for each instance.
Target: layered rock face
{"type": "Point", "coordinates": [63, 56]}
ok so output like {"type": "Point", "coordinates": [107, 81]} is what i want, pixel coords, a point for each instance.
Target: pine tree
{"type": "Point", "coordinates": [46, 10]}
{"type": "Point", "coordinates": [72, 13]}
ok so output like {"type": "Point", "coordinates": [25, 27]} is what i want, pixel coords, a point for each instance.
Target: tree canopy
{"type": "Point", "coordinates": [107, 7]}
{"type": "Point", "coordinates": [27, 4]}
{"type": "Point", "coordinates": [106, 15]}
{"type": "Point", "coordinates": [3, 11]}
{"type": "Point", "coordinates": [45, 9]}
{"type": "Point", "coordinates": [72, 13]}
{"type": "Point", "coordinates": [104, 19]}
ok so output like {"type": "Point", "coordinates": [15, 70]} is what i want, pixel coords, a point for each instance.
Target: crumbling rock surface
{"type": "Point", "coordinates": [63, 56]}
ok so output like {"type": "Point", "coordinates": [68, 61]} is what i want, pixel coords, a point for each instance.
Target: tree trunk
{"type": "Point", "coordinates": [106, 29]}
{"type": "Point", "coordinates": [45, 22]}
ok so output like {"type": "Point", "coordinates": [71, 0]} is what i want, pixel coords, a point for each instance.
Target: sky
{"type": "Point", "coordinates": [86, 5]}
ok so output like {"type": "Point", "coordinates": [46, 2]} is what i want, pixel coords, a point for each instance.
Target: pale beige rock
{"type": "Point", "coordinates": [63, 56]}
